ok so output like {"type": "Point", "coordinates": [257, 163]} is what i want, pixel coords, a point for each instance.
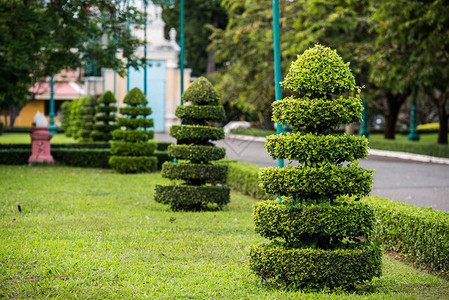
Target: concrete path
{"type": "Point", "coordinates": [401, 179]}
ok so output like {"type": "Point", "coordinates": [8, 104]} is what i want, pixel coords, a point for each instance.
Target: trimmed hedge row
{"type": "Point", "coordinates": [315, 269]}
{"type": "Point", "coordinates": [133, 164]}
{"type": "Point", "coordinates": [99, 145]}
{"type": "Point", "coordinates": [187, 134]}
{"type": "Point", "coordinates": [15, 156]}
{"type": "Point", "coordinates": [317, 114]}
{"type": "Point", "coordinates": [328, 181]}
{"type": "Point", "coordinates": [422, 233]}
{"type": "Point", "coordinates": [411, 147]}
{"type": "Point", "coordinates": [187, 197]}
{"type": "Point", "coordinates": [308, 148]}
{"type": "Point", "coordinates": [197, 113]}
{"type": "Point", "coordinates": [201, 172]}
{"type": "Point", "coordinates": [196, 153]}
{"type": "Point", "coordinates": [312, 222]}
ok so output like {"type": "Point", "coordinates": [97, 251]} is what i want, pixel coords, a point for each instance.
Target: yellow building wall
{"type": "Point", "coordinates": [26, 115]}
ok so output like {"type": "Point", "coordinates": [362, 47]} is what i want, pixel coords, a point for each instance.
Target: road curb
{"type": "Point", "coordinates": [374, 152]}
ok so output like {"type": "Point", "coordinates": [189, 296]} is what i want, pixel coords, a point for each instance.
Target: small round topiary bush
{"type": "Point", "coordinates": [130, 149]}
{"type": "Point", "coordinates": [105, 118]}
{"type": "Point", "coordinates": [195, 152]}
{"type": "Point", "coordinates": [319, 234]}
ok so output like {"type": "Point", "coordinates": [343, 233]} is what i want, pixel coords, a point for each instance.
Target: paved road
{"type": "Point", "coordinates": [421, 184]}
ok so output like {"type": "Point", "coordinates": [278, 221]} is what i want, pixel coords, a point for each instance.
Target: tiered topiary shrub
{"type": "Point", "coordinates": [319, 234]}
{"type": "Point", "coordinates": [105, 118]}
{"type": "Point", "coordinates": [66, 109]}
{"type": "Point", "coordinates": [86, 118]}
{"type": "Point", "coordinates": [131, 151]}
{"type": "Point", "coordinates": [72, 129]}
{"type": "Point", "coordinates": [195, 152]}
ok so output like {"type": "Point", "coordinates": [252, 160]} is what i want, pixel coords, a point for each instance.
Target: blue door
{"type": "Point", "coordinates": [156, 77]}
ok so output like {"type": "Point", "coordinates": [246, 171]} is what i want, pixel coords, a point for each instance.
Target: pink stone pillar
{"type": "Point", "coordinates": [40, 145]}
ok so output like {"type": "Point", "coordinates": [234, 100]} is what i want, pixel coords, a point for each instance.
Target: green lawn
{"type": "Point", "coordinates": [24, 138]}
{"type": "Point", "coordinates": [91, 233]}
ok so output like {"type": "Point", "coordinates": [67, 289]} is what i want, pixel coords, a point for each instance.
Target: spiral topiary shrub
{"type": "Point", "coordinates": [194, 152]}
{"type": "Point", "coordinates": [105, 118]}
{"type": "Point", "coordinates": [130, 150]}
{"type": "Point", "coordinates": [319, 239]}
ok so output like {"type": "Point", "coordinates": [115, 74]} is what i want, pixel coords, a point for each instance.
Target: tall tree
{"type": "Point", "coordinates": [245, 48]}
{"type": "Point", "coordinates": [199, 18]}
{"type": "Point", "coordinates": [39, 38]}
{"type": "Point", "coordinates": [413, 49]}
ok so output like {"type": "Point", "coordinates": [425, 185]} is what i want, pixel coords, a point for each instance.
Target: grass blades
{"type": "Point", "coordinates": [95, 234]}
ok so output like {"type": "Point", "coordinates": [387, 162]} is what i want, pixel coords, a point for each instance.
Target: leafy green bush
{"type": "Point", "coordinates": [135, 111]}
{"type": "Point", "coordinates": [194, 172]}
{"type": "Point", "coordinates": [105, 117]}
{"type": "Point", "coordinates": [74, 123]}
{"type": "Point", "coordinates": [133, 164]}
{"type": "Point", "coordinates": [196, 134]}
{"type": "Point", "coordinates": [1, 128]}
{"type": "Point", "coordinates": [188, 197]}
{"type": "Point", "coordinates": [130, 151]}
{"type": "Point", "coordinates": [315, 182]}
{"type": "Point", "coordinates": [319, 71]}
{"type": "Point", "coordinates": [201, 113]}
{"type": "Point", "coordinates": [86, 118]}
{"type": "Point", "coordinates": [320, 241]}
{"type": "Point", "coordinates": [316, 269]}
{"type": "Point", "coordinates": [132, 135]}
{"type": "Point", "coordinates": [313, 148]}
{"type": "Point", "coordinates": [15, 156]}
{"type": "Point", "coordinates": [312, 224]}
{"type": "Point", "coordinates": [317, 114]}
{"type": "Point", "coordinates": [418, 232]}
{"type": "Point", "coordinates": [196, 153]}
{"type": "Point", "coordinates": [201, 92]}
{"type": "Point", "coordinates": [195, 148]}
{"type": "Point", "coordinates": [78, 157]}
{"type": "Point", "coordinates": [66, 108]}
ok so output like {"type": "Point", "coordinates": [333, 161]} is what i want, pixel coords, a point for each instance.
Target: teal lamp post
{"type": "Point", "coordinates": [413, 135]}
{"type": "Point", "coordinates": [52, 127]}
{"type": "Point", "coordinates": [277, 64]}
{"type": "Point", "coordinates": [181, 42]}
{"type": "Point", "coordinates": [364, 126]}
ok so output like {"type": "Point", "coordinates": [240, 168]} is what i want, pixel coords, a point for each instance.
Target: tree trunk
{"type": "Point", "coordinates": [394, 103]}
{"type": "Point", "coordinates": [442, 132]}
{"type": "Point", "coordinates": [211, 53]}
{"type": "Point", "coordinates": [439, 99]}
{"type": "Point", "coordinates": [13, 113]}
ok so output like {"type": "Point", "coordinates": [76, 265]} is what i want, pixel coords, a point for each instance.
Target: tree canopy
{"type": "Point", "coordinates": [39, 38]}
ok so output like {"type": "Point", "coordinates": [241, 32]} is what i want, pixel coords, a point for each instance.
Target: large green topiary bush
{"type": "Point", "coordinates": [194, 152]}
{"type": "Point", "coordinates": [86, 118]}
{"type": "Point", "coordinates": [131, 151]}
{"type": "Point", "coordinates": [72, 129]}
{"type": "Point", "coordinates": [66, 109]}
{"type": "Point", "coordinates": [319, 240]}
{"type": "Point", "coordinates": [105, 118]}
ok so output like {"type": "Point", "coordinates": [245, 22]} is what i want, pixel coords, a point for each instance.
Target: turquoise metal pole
{"type": "Point", "coordinates": [413, 135]}
{"type": "Point", "coordinates": [277, 64]}
{"type": "Point", "coordinates": [52, 127]}
{"type": "Point", "coordinates": [102, 77]}
{"type": "Point", "coordinates": [364, 126]}
{"type": "Point", "coordinates": [181, 41]}
{"type": "Point", "coordinates": [145, 53]}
